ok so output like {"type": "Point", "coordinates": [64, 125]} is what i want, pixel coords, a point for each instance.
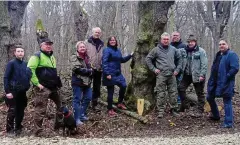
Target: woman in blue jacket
{"type": "Point", "coordinates": [221, 82]}
{"type": "Point", "coordinates": [112, 75]}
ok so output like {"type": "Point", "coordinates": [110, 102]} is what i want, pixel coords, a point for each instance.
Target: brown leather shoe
{"type": "Point", "coordinates": [122, 106]}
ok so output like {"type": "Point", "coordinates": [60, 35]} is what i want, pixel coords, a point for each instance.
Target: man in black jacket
{"type": "Point", "coordinates": [177, 43]}
{"type": "Point", "coordinates": [176, 40]}
{"type": "Point", "coordinates": [16, 83]}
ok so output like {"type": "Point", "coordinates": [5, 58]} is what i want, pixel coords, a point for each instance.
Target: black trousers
{"type": "Point", "coordinates": [110, 90]}
{"type": "Point", "coordinates": [16, 107]}
{"type": "Point", "coordinates": [97, 79]}
{"type": "Point", "coordinates": [199, 89]}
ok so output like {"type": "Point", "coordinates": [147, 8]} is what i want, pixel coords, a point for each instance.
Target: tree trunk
{"type": "Point", "coordinates": [16, 11]}
{"type": "Point", "coordinates": [80, 21]}
{"type": "Point", "coordinates": [152, 20]}
{"type": "Point", "coordinates": [11, 16]}
{"type": "Point", "coordinates": [4, 38]}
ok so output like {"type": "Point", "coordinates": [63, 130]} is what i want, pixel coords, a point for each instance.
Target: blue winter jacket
{"type": "Point", "coordinates": [223, 84]}
{"type": "Point", "coordinates": [111, 64]}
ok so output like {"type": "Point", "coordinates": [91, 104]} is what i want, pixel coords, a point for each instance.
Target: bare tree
{"type": "Point", "coordinates": [215, 15]}
{"type": "Point", "coordinates": [80, 20]}
{"type": "Point", "coordinates": [11, 17]}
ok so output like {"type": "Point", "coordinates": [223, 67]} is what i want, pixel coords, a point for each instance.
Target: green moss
{"type": "Point", "coordinates": [129, 88]}
{"type": "Point", "coordinates": [141, 74]}
{"type": "Point", "coordinates": [104, 97]}
{"type": "Point", "coordinates": [1, 99]}
{"type": "Point", "coordinates": [144, 37]}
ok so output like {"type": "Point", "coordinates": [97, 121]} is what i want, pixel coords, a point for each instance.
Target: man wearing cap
{"type": "Point", "coordinates": [46, 82]}
{"type": "Point", "coordinates": [194, 71]}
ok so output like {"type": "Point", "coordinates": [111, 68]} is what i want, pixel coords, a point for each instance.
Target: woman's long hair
{"type": "Point", "coordinates": [108, 42]}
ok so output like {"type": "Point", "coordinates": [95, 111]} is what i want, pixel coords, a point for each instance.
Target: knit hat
{"type": "Point", "coordinates": [192, 38]}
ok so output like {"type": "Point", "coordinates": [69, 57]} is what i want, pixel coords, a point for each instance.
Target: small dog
{"type": "Point", "coordinates": [68, 122]}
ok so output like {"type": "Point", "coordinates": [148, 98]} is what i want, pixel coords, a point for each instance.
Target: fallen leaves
{"type": "Point", "coordinates": [171, 123]}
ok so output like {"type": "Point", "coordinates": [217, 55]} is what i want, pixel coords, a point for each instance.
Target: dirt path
{"type": "Point", "coordinates": [222, 139]}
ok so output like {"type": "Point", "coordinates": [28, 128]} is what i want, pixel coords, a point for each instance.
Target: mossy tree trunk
{"type": "Point", "coordinates": [152, 20]}
{"type": "Point", "coordinates": [11, 16]}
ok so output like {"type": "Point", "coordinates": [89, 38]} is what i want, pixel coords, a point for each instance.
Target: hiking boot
{"type": "Point", "coordinates": [84, 118]}
{"type": "Point", "coordinates": [211, 117]}
{"type": "Point", "coordinates": [10, 133]}
{"type": "Point", "coordinates": [18, 130]}
{"type": "Point", "coordinates": [111, 113]}
{"type": "Point", "coordinates": [122, 106]}
{"type": "Point", "coordinates": [79, 122]}
{"type": "Point", "coordinates": [174, 113]}
{"type": "Point", "coordinates": [182, 108]}
{"type": "Point", "coordinates": [226, 126]}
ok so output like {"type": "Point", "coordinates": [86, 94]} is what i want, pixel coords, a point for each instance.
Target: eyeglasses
{"type": "Point", "coordinates": [222, 44]}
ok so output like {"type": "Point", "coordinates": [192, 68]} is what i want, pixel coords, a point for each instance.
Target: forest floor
{"type": "Point", "coordinates": [122, 126]}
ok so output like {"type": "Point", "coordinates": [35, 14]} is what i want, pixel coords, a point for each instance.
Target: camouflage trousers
{"type": "Point", "coordinates": [166, 84]}
{"type": "Point", "coordinates": [40, 102]}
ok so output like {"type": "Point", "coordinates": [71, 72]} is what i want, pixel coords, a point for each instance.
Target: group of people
{"type": "Point", "coordinates": [175, 64]}
{"type": "Point", "coordinates": [91, 65]}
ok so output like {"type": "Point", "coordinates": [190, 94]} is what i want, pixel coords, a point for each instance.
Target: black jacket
{"type": "Point", "coordinates": [178, 44]}
{"type": "Point", "coordinates": [17, 76]}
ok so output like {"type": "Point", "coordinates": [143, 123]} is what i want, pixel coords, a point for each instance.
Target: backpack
{"type": "Point", "coordinates": [58, 81]}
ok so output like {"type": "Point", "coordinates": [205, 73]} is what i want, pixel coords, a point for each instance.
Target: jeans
{"type": "Point", "coordinates": [81, 99]}
{"type": "Point", "coordinates": [228, 119]}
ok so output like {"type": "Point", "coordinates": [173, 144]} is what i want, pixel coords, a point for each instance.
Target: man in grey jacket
{"type": "Point", "coordinates": [166, 71]}
{"type": "Point", "coordinates": [194, 71]}
{"type": "Point", "coordinates": [94, 47]}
